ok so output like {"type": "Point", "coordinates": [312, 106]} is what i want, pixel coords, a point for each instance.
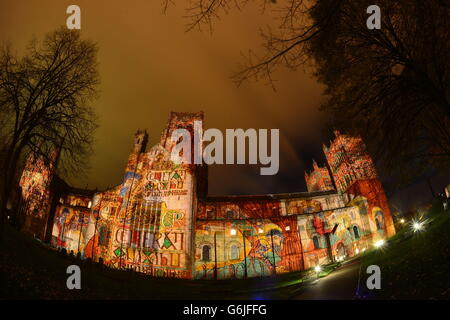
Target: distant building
{"type": "Point", "coordinates": [319, 179]}
{"type": "Point", "coordinates": [43, 193]}
{"type": "Point", "coordinates": [161, 221]}
{"type": "Point", "coordinates": [355, 175]}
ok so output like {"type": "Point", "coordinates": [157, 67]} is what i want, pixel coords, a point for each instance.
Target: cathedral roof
{"type": "Point", "coordinates": [268, 197]}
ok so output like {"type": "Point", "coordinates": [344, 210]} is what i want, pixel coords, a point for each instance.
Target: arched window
{"type": "Point", "coordinates": [231, 214]}
{"type": "Point", "coordinates": [379, 220]}
{"type": "Point", "coordinates": [209, 214]}
{"type": "Point", "coordinates": [356, 232]}
{"type": "Point", "coordinates": [234, 252]}
{"type": "Point", "coordinates": [206, 250]}
{"type": "Point", "coordinates": [379, 226]}
{"type": "Point", "coordinates": [316, 242]}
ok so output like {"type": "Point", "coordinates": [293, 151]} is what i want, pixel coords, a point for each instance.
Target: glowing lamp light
{"type": "Point", "coordinates": [233, 232]}
{"type": "Point", "coordinates": [317, 269]}
{"type": "Point", "coordinates": [379, 243]}
{"type": "Point", "coordinates": [417, 226]}
{"type": "Point", "coordinates": [402, 220]}
{"type": "Point", "coordinates": [287, 228]}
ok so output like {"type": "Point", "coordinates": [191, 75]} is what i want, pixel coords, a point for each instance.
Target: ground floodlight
{"type": "Point", "coordinates": [379, 243]}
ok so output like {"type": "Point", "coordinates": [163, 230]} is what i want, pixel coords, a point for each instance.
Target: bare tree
{"type": "Point", "coordinates": [390, 85]}
{"type": "Point", "coordinates": [44, 103]}
{"type": "Point", "coordinates": [284, 46]}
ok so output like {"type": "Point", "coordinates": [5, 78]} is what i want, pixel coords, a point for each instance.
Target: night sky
{"type": "Point", "coordinates": [150, 66]}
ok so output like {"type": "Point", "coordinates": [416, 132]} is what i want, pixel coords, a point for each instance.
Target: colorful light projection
{"type": "Point", "coordinates": [319, 179]}
{"type": "Point", "coordinates": [35, 184]}
{"type": "Point", "coordinates": [148, 233]}
{"type": "Point", "coordinates": [245, 239]}
{"type": "Point", "coordinates": [236, 250]}
{"type": "Point", "coordinates": [70, 228]}
{"type": "Point", "coordinates": [155, 222]}
{"type": "Point", "coordinates": [145, 223]}
{"type": "Point", "coordinates": [355, 174]}
{"type": "Point", "coordinates": [349, 238]}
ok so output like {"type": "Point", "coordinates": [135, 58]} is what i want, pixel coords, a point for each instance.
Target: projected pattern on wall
{"type": "Point", "coordinates": [161, 221]}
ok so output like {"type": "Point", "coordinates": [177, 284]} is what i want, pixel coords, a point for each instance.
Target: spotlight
{"type": "Point", "coordinates": [317, 269]}
{"type": "Point", "coordinates": [417, 226]}
{"type": "Point", "coordinates": [379, 243]}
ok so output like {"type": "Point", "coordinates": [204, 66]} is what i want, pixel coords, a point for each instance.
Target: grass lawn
{"type": "Point", "coordinates": [415, 265]}
{"type": "Point", "coordinates": [30, 270]}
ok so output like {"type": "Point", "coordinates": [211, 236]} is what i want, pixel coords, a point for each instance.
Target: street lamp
{"type": "Point", "coordinates": [317, 269]}
{"type": "Point", "coordinates": [417, 226]}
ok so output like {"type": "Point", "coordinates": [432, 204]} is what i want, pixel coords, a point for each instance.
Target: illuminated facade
{"type": "Point", "coordinates": [319, 179]}
{"type": "Point", "coordinates": [161, 221]}
{"type": "Point", "coordinates": [355, 176]}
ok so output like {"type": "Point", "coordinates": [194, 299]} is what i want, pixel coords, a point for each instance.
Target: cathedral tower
{"type": "Point", "coordinates": [354, 173]}
{"type": "Point", "coordinates": [319, 179]}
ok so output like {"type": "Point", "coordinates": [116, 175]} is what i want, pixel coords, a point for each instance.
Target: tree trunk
{"type": "Point", "coordinates": [4, 188]}
{"type": "Point", "coordinates": [9, 171]}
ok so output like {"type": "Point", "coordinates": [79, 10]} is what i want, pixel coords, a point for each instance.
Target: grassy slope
{"type": "Point", "coordinates": [416, 267]}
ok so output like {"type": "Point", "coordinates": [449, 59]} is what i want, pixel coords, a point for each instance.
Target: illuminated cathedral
{"type": "Point", "coordinates": [161, 221]}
